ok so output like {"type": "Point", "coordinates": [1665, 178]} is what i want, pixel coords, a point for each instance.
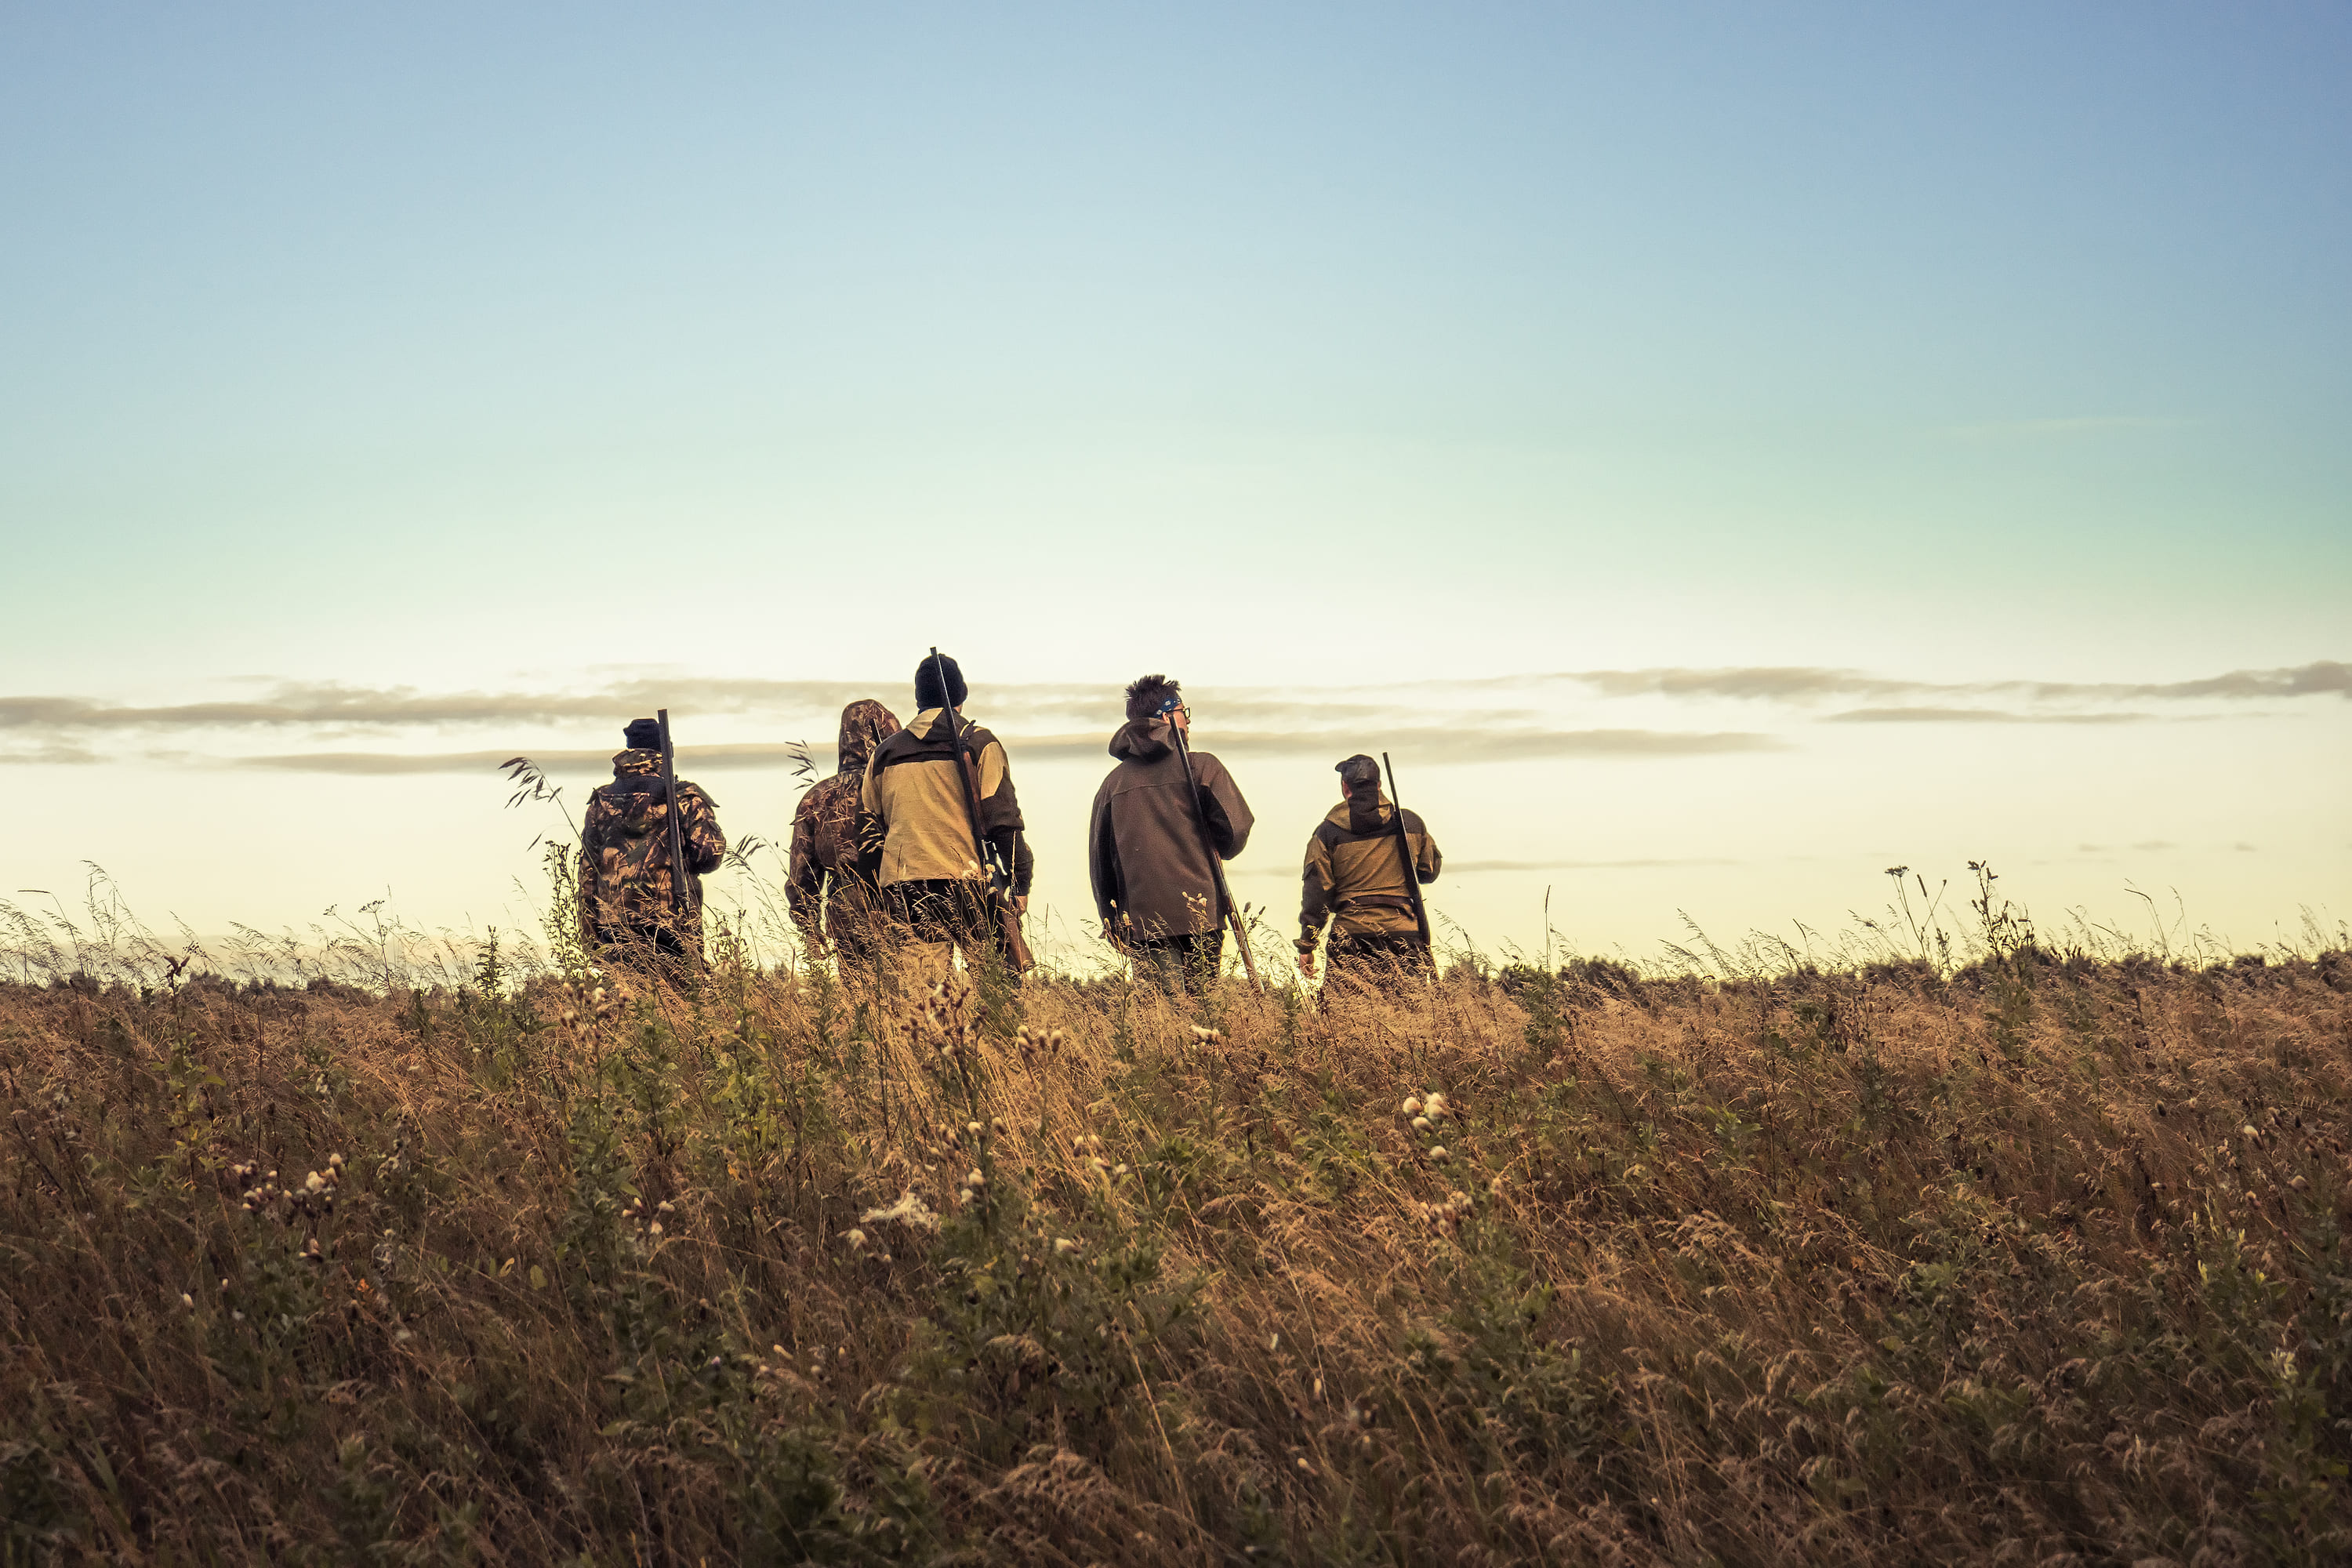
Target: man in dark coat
{"type": "Point", "coordinates": [835, 905]}
{"type": "Point", "coordinates": [631, 907]}
{"type": "Point", "coordinates": [1148, 846]}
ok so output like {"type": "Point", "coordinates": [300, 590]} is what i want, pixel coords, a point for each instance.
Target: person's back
{"type": "Point", "coordinates": [1355, 879]}
{"type": "Point", "coordinates": [632, 903]}
{"type": "Point", "coordinates": [833, 901]}
{"type": "Point", "coordinates": [1155, 886]}
{"type": "Point", "coordinates": [916, 830]}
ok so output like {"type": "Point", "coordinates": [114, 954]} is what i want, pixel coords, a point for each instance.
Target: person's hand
{"type": "Point", "coordinates": [1306, 962]}
{"type": "Point", "coordinates": [1020, 905]}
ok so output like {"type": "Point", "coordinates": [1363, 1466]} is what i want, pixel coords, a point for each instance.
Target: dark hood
{"type": "Point", "coordinates": [1141, 741]}
{"type": "Point", "coordinates": [865, 724]}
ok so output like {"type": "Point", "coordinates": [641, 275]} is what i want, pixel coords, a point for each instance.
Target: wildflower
{"type": "Point", "coordinates": [909, 1210]}
{"type": "Point", "coordinates": [973, 1179]}
{"type": "Point", "coordinates": [856, 1239]}
{"type": "Point", "coordinates": [1438, 1152]}
{"type": "Point", "coordinates": [187, 1301]}
{"type": "Point", "coordinates": [1119, 1169]}
{"type": "Point", "coordinates": [1421, 1124]}
{"type": "Point", "coordinates": [972, 1127]}
{"type": "Point", "coordinates": [1273, 1343]}
{"type": "Point", "coordinates": [1412, 1107]}
{"type": "Point", "coordinates": [334, 1161]}
{"type": "Point", "coordinates": [663, 1207]}
{"type": "Point", "coordinates": [1435, 1107]}
{"type": "Point", "coordinates": [1064, 1246]}
{"type": "Point", "coordinates": [314, 1182]}
{"type": "Point", "coordinates": [655, 1228]}
{"type": "Point", "coordinates": [1206, 1036]}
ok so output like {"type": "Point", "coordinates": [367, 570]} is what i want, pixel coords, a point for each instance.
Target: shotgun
{"type": "Point", "coordinates": [998, 875]}
{"type": "Point", "coordinates": [677, 870]}
{"type": "Point", "coordinates": [1232, 914]}
{"type": "Point", "coordinates": [1404, 848]}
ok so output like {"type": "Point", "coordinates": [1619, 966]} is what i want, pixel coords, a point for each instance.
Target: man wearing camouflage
{"type": "Point", "coordinates": [1355, 880]}
{"type": "Point", "coordinates": [630, 908]}
{"type": "Point", "coordinates": [833, 902]}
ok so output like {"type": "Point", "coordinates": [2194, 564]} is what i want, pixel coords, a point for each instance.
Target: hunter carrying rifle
{"type": "Point", "coordinates": [1365, 865]}
{"type": "Point", "coordinates": [1165, 820]}
{"type": "Point", "coordinates": [633, 911]}
{"type": "Point", "coordinates": [940, 833]}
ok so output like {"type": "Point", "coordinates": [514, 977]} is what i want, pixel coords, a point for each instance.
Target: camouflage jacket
{"type": "Point", "coordinates": [624, 867]}
{"type": "Point", "coordinates": [823, 880]}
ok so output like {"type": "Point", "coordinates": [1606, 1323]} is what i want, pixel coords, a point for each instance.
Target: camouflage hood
{"type": "Point", "coordinates": [865, 724]}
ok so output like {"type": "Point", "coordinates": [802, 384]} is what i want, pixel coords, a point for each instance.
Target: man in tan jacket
{"type": "Point", "coordinates": [1153, 831]}
{"type": "Point", "coordinates": [915, 829]}
{"type": "Point", "coordinates": [1355, 880]}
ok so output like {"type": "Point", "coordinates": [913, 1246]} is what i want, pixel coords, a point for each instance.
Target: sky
{"type": "Point", "coordinates": [1721, 452]}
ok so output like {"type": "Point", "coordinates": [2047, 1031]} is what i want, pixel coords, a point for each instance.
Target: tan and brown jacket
{"type": "Point", "coordinates": [1144, 849]}
{"type": "Point", "coordinates": [1355, 876]}
{"type": "Point", "coordinates": [914, 824]}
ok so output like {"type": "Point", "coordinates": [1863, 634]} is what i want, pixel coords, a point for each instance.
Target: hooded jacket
{"type": "Point", "coordinates": [624, 867]}
{"type": "Point", "coordinates": [825, 828]}
{"type": "Point", "coordinates": [1354, 876]}
{"type": "Point", "coordinates": [1144, 848]}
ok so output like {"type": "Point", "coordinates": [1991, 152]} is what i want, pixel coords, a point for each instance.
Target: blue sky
{"type": "Point", "coordinates": [1297, 349]}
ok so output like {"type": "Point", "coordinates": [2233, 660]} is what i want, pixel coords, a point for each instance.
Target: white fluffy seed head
{"type": "Point", "coordinates": [1412, 1107]}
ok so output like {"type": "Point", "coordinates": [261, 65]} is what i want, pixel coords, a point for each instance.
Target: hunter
{"type": "Point", "coordinates": [834, 903]}
{"type": "Point", "coordinates": [915, 830]}
{"type": "Point", "coordinates": [1156, 891]}
{"type": "Point", "coordinates": [1355, 879]}
{"type": "Point", "coordinates": [632, 910]}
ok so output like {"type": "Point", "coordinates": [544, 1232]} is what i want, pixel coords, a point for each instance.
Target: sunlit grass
{"type": "Point", "coordinates": [2004, 1253]}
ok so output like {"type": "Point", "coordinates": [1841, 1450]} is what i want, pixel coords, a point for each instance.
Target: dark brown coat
{"type": "Point", "coordinates": [1145, 849]}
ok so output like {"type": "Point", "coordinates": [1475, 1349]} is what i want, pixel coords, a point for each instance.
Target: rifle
{"type": "Point", "coordinates": [1404, 848]}
{"type": "Point", "coordinates": [678, 871]}
{"type": "Point", "coordinates": [999, 875]}
{"type": "Point", "coordinates": [1231, 915]}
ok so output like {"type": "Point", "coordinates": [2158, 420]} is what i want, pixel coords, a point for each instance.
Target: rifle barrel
{"type": "Point", "coordinates": [1404, 848]}
{"type": "Point", "coordinates": [992, 872]}
{"type": "Point", "coordinates": [678, 872]}
{"type": "Point", "coordinates": [1231, 915]}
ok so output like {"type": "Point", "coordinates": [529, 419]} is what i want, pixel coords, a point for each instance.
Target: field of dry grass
{"type": "Point", "coordinates": [2032, 1260]}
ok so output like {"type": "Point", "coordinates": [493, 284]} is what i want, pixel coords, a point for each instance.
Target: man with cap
{"type": "Point", "coordinates": [1355, 880]}
{"type": "Point", "coordinates": [915, 828]}
{"type": "Point", "coordinates": [630, 908]}
{"type": "Point", "coordinates": [835, 903]}
{"type": "Point", "coordinates": [1155, 890]}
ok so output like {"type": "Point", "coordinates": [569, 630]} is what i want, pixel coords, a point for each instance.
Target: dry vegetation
{"type": "Point", "coordinates": [2036, 1259]}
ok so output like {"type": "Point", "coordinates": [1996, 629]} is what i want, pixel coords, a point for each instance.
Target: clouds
{"type": "Point", "coordinates": [1497, 719]}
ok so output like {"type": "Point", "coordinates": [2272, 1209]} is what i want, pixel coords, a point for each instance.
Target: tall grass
{"type": "Point", "coordinates": [2014, 1256]}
